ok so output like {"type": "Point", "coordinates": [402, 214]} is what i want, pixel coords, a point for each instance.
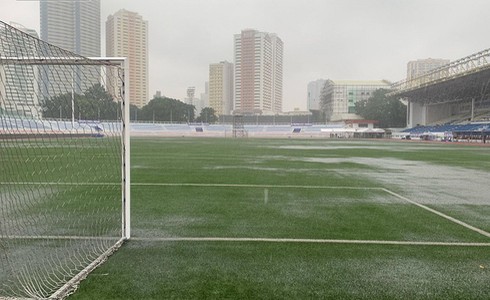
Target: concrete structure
{"type": "Point", "coordinates": [127, 36]}
{"type": "Point", "coordinates": [258, 72]}
{"type": "Point", "coordinates": [314, 92]}
{"type": "Point", "coordinates": [419, 67]}
{"type": "Point", "coordinates": [221, 87]}
{"type": "Point", "coordinates": [340, 96]}
{"type": "Point", "coordinates": [455, 92]}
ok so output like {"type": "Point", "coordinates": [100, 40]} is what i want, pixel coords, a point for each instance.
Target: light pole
{"type": "Point", "coordinates": [72, 98]}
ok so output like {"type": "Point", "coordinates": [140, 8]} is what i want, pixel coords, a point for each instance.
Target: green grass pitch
{"type": "Point", "coordinates": [272, 219]}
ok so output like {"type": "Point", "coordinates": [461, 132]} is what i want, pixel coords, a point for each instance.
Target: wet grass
{"type": "Point", "coordinates": [217, 270]}
{"type": "Point", "coordinates": [144, 269]}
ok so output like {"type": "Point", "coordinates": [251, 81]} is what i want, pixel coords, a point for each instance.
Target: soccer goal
{"type": "Point", "coordinates": [64, 165]}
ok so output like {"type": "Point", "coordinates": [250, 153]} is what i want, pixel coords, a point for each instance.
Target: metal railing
{"type": "Point", "coordinates": [462, 67]}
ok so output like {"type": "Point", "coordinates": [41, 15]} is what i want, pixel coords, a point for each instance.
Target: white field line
{"type": "Point", "coordinates": [258, 186]}
{"type": "Point", "coordinates": [199, 185]}
{"type": "Point", "coordinates": [61, 183]}
{"type": "Point", "coordinates": [269, 240]}
{"type": "Point", "coordinates": [313, 241]}
{"type": "Point", "coordinates": [57, 237]}
{"type": "Point", "coordinates": [454, 220]}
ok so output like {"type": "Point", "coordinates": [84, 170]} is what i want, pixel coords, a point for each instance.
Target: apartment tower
{"type": "Point", "coordinates": [73, 26]}
{"type": "Point", "coordinates": [127, 36]}
{"type": "Point", "coordinates": [221, 87]}
{"type": "Point", "coordinates": [258, 72]}
{"type": "Point", "coordinates": [419, 67]}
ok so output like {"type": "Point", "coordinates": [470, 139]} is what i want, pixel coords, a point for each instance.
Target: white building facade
{"type": "Point", "coordinates": [339, 97]}
{"type": "Point", "coordinates": [258, 73]}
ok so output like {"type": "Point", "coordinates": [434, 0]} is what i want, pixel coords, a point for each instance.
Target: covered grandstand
{"type": "Point", "coordinates": [475, 132]}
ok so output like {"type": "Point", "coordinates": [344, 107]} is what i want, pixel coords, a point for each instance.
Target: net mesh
{"type": "Point", "coordinates": [61, 165]}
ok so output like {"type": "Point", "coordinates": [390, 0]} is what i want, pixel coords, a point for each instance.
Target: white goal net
{"type": "Point", "coordinates": [64, 165]}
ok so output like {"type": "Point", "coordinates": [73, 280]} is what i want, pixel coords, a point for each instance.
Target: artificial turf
{"type": "Point", "coordinates": [278, 191]}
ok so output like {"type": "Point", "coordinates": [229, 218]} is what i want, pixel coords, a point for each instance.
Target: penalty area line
{"type": "Point", "coordinates": [311, 241]}
{"type": "Point", "coordinates": [454, 220]}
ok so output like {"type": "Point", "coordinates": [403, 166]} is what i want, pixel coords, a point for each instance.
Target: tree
{"type": "Point", "coordinates": [207, 115]}
{"type": "Point", "coordinates": [95, 104]}
{"type": "Point", "coordinates": [59, 106]}
{"type": "Point", "coordinates": [134, 112]}
{"type": "Point", "coordinates": [167, 109]}
{"type": "Point", "coordinates": [98, 104]}
{"type": "Point", "coordinates": [389, 111]}
{"type": "Point", "coordinates": [317, 116]}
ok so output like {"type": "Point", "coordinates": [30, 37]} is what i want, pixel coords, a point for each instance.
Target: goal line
{"type": "Point", "coordinates": [309, 241]}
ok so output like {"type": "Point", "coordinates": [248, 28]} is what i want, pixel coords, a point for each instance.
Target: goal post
{"type": "Point", "coordinates": [65, 165]}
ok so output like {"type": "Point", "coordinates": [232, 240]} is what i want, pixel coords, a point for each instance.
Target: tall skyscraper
{"type": "Point", "coordinates": [127, 36]}
{"type": "Point", "coordinates": [205, 95]}
{"type": "Point", "coordinates": [221, 87]}
{"type": "Point", "coordinates": [72, 25]}
{"type": "Point", "coordinates": [314, 91]}
{"type": "Point", "coordinates": [419, 67]}
{"type": "Point", "coordinates": [258, 72]}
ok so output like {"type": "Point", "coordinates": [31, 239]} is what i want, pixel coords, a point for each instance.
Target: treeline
{"type": "Point", "coordinates": [97, 104]}
{"type": "Point", "coordinates": [388, 111]}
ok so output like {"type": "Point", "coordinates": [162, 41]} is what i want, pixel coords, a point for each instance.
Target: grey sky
{"type": "Point", "coordinates": [337, 39]}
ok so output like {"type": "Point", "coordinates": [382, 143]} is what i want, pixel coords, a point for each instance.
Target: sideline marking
{"type": "Point", "coordinates": [249, 239]}
{"type": "Point", "coordinates": [318, 241]}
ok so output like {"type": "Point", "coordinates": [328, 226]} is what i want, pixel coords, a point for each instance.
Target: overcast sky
{"type": "Point", "coordinates": [336, 39]}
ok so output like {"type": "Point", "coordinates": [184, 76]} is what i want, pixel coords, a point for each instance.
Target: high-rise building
{"type": "Point", "coordinates": [258, 72]}
{"type": "Point", "coordinates": [23, 78]}
{"type": "Point", "coordinates": [419, 67]}
{"type": "Point", "coordinates": [192, 100]}
{"type": "Point", "coordinates": [205, 95]}
{"type": "Point", "coordinates": [314, 92]}
{"type": "Point", "coordinates": [127, 36]}
{"type": "Point", "coordinates": [339, 97]}
{"type": "Point", "coordinates": [221, 87]}
{"type": "Point", "coordinates": [72, 25]}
